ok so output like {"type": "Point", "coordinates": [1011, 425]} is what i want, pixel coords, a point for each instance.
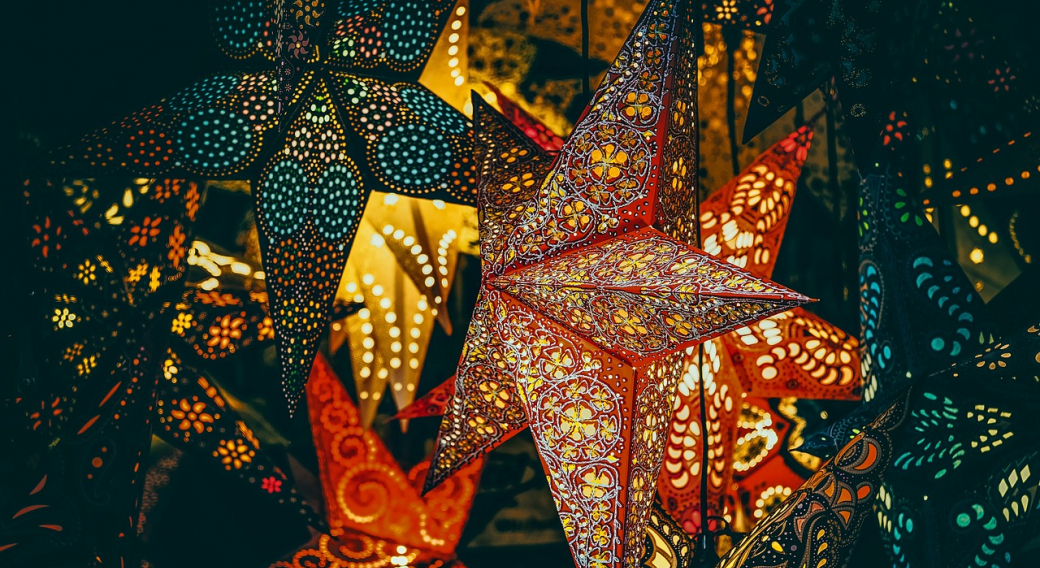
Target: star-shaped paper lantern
{"type": "Point", "coordinates": [585, 295]}
{"type": "Point", "coordinates": [918, 312]}
{"type": "Point", "coordinates": [336, 114]}
{"type": "Point", "coordinates": [114, 286]}
{"type": "Point", "coordinates": [373, 507]}
{"type": "Point", "coordinates": [793, 353]}
{"type": "Point", "coordinates": [403, 272]}
{"type": "Point", "coordinates": [948, 468]}
{"type": "Point", "coordinates": [108, 260]}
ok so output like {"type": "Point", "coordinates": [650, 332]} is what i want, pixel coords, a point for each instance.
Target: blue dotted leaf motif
{"type": "Point", "coordinates": [877, 353]}
{"type": "Point", "coordinates": [918, 313]}
{"type": "Point", "coordinates": [941, 280]}
{"type": "Point", "coordinates": [937, 450]}
{"type": "Point", "coordinates": [978, 523]}
{"type": "Point", "coordinates": [285, 188]}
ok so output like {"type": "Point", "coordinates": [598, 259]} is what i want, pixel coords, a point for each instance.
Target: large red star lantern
{"type": "Point", "coordinates": [588, 293]}
{"type": "Point", "coordinates": [376, 517]}
{"type": "Point", "coordinates": [793, 353]}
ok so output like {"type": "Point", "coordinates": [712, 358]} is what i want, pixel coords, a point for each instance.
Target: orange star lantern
{"type": "Point", "coordinates": [793, 353]}
{"type": "Point", "coordinates": [588, 293]}
{"type": "Point", "coordinates": [374, 511]}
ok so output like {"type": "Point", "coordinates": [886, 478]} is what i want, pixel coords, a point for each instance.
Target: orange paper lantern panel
{"type": "Point", "coordinates": [795, 353]}
{"type": "Point", "coordinates": [587, 413]}
{"type": "Point", "coordinates": [432, 403]}
{"type": "Point", "coordinates": [642, 294]}
{"type": "Point", "coordinates": [366, 490]}
{"type": "Point", "coordinates": [605, 181]}
{"type": "Point", "coordinates": [761, 435]}
{"type": "Point", "coordinates": [193, 415]}
{"type": "Point", "coordinates": [534, 129]}
{"type": "Point", "coordinates": [680, 480]}
{"type": "Point", "coordinates": [744, 221]}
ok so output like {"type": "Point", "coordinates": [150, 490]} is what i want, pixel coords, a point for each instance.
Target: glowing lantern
{"type": "Point", "coordinates": [376, 516]}
{"type": "Point", "coordinates": [586, 298]}
{"type": "Point", "coordinates": [403, 272]}
{"type": "Point", "coordinates": [315, 133]}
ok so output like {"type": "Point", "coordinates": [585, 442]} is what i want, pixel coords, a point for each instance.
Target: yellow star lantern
{"type": "Point", "coordinates": [403, 278]}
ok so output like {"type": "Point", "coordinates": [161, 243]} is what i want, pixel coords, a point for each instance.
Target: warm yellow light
{"type": "Point", "coordinates": [976, 255]}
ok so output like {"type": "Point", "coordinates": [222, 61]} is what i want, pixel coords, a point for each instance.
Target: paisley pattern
{"type": "Point", "coordinates": [919, 314]}
{"type": "Point", "coordinates": [795, 353]}
{"type": "Point", "coordinates": [600, 185]}
{"type": "Point", "coordinates": [952, 441]}
{"type": "Point", "coordinates": [818, 524]}
{"type": "Point", "coordinates": [814, 358]}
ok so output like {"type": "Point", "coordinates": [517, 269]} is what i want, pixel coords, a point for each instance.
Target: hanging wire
{"type": "Point", "coordinates": [585, 87]}
{"type": "Point", "coordinates": [704, 546]}
{"type": "Point", "coordinates": [732, 36]}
